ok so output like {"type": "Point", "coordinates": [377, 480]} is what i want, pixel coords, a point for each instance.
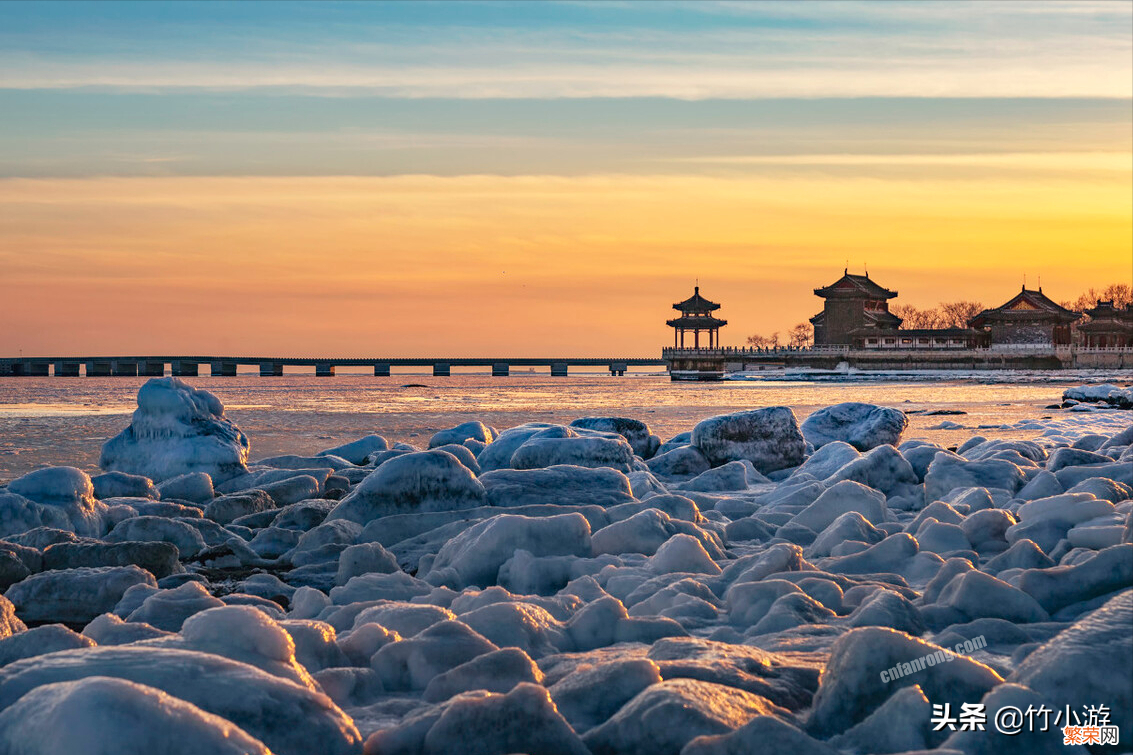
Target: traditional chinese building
{"type": "Point", "coordinates": [696, 318]}
{"type": "Point", "coordinates": [1108, 327]}
{"type": "Point", "coordinates": [915, 338]}
{"type": "Point", "coordinates": [853, 303]}
{"type": "Point", "coordinates": [1030, 318]}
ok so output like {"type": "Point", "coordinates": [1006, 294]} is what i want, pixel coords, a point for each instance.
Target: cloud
{"type": "Point", "coordinates": [686, 51]}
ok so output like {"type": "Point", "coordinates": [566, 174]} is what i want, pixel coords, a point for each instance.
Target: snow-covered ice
{"type": "Point", "coordinates": [746, 586]}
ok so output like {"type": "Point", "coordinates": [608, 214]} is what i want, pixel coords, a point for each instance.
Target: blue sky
{"type": "Point", "coordinates": [454, 176]}
{"type": "Point", "coordinates": [266, 88]}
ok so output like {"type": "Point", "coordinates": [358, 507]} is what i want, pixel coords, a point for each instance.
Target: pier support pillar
{"type": "Point", "coordinates": [558, 369]}
{"type": "Point", "coordinates": [618, 368]}
{"type": "Point", "coordinates": [501, 369]}
{"type": "Point", "coordinates": [271, 369]}
{"type": "Point", "coordinates": [381, 370]}
{"type": "Point", "coordinates": [99, 369]}
{"type": "Point", "coordinates": [66, 369]}
{"type": "Point", "coordinates": [324, 370]}
{"type": "Point", "coordinates": [223, 369]}
{"type": "Point", "coordinates": [441, 369]}
{"type": "Point", "coordinates": [125, 369]}
{"type": "Point", "coordinates": [185, 369]}
{"type": "Point", "coordinates": [152, 369]}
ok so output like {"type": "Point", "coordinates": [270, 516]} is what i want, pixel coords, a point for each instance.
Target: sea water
{"type": "Point", "coordinates": [66, 420]}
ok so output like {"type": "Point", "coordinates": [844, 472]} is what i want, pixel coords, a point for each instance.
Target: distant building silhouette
{"type": "Point", "coordinates": [1029, 318]}
{"type": "Point", "coordinates": [852, 303]}
{"type": "Point", "coordinates": [696, 317]}
{"type": "Point", "coordinates": [1108, 327]}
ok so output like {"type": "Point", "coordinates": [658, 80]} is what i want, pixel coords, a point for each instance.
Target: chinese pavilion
{"type": "Point", "coordinates": [853, 303]}
{"type": "Point", "coordinates": [1028, 319]}
{"type": "Point", "coordinates": [1108, 326]}
{"type": "Point", "coordinates": [696, 317]}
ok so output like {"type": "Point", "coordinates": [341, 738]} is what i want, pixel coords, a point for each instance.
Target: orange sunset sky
{"type": "Point", "coordinates": [514, 179]}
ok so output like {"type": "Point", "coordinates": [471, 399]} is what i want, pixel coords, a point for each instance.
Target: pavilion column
{"type": "Point", "coordinates": [696, 338]}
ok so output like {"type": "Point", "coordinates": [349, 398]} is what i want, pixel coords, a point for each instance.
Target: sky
{"type": "Point", "coordinates": [542, 179]}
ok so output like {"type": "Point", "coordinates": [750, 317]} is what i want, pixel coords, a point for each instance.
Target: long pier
{"type": "Point", "coordinates": [228, 366]}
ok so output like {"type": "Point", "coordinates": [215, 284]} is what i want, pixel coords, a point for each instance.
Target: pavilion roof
{"type": "Point", "coordinates": [855, 285]}
{"type": "Point", "coordinates": [702, 322]}
{"type": "Point", "coordinates": [1105, 310]}
{"type": "Point", "coordinates": [696, 303]}
{"type": "Point", "coordinates": [1028, 304]}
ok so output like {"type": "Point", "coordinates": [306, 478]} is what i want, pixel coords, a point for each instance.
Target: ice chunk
{"type": "Point", "coordinates": [396, 586]}
{"type": "Point", "coordinates": [475, 556]}
{"type": "Point", "coordinates": [168, 609]}
{"type": "Point", "coordinates": [412, 663]}
{"type": "Point", "coordinates": [185, 537]}
{"type": "Point", "coordinates": [587, 451]}
{"type": "Point", "coordinates": [885, 608]}
{"type": "Point", "coordinates": [827, 460]}
{"type": "Point", "coordinates": [682, 553]}
{"type": "Point", "coordinates": [731, 476]}
{"type": "Point", "coordinates": [228, 508]}
{"type": "Point", "coordinates": [947, 473]}
{"type": "Point", "coordinates": [415, 482]}
{"type": "Point", "coordinates": [358, 451]}
{"type": "Point", "coordinates": [265, 706]}
{"type": "Point", "coordinates": [853, 686]}
{"type": "Point", "coordinates": [61, 497]}
{"type": "Point", "coordinates": [108, 629]}
{"type": "Point", "coordinates": [40, 641]}
{"type": "Point", "coordinates": [519, 625]}
{"type": "Point", "coordinates": [665, 717]}
{"type": "Point", "coordinates": [979, 595]}
{"type": "Point", "coordinates": [474, 430]}
{"type": "Point", "coordinates": [683, 461]}
{"type": "Point", "coordinates": [177, 429]}
{"type": "Point", "coordinates": [769, 438]}
{"type": "Point", "coordinates": [74, 596]}
{"type": "Point", "coordinates": [364, 558]}
{"type": "Point", "coordinates": [882, 468]}
{"type": "Point", "coordinates": [761, 734]}
{"type": "Point", "coordinates": [195, 487]}
{"type": "Point", "coordinates": [407, 619]}
{"type": "Point", "coordinates": [863, 426]}
{"type": "Point", "coordinates": [523, 720]}
{"type": "Point", "coordinates": [634, 431]}
{"type": "Point", "coordinates": [590, 694]}
{"type": "Point", "coordinates": [647, 531]}
{"type": "Point", "coordinates": [901, 724]}
{"type": "Point", "coordinates": [844, 496]}
{"type": "Point", "coordinates": [1101, 641]}
{"type": "Point", "coordinates": [122, 485]}
{"type": "Point", "coordinates": [1060, 586]}
{"type": "Point", "coordinates": [158, 558]}
{"type": "Point", "coordinates": [891, 555]}
{"type": "Point", "coordinates": [497, 671]}
{"type": "Point", "coordinates": [104, 716]}
{"type": "Point", "coordinates": [562, 485]}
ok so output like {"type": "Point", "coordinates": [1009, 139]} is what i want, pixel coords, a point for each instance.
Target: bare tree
{"type": "Point", "coordinates": [758, 341]}
{"type": "Point", "coordinates": [958, 314]}
{"type": "Point", "coordinates": [1119, 293]}
{"type": "Point", "coordinates": [801, 336]}
{"type": "Point", "coordinates": [913, 318]}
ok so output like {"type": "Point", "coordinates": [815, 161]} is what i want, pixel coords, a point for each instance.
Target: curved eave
{"type": "Point", "coordinates": [696, 323]}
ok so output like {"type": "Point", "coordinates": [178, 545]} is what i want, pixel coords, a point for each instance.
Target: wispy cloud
{"type": "Point", "coordinates": [687, 51]}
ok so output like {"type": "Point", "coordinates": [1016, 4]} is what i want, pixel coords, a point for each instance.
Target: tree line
{"type": "Point", "coordinates": [955, 314]}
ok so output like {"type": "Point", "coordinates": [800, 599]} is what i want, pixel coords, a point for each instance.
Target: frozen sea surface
{"type": "Point", "coordinates": [66, 420]}
{"type": "Point", "coordinates": [749, 585]}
